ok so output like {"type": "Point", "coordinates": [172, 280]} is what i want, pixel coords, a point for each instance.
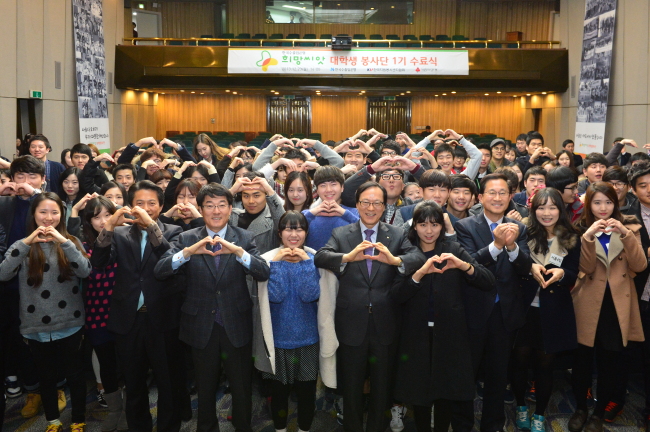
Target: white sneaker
{"type": "Point", "coordinates": [397, 422]}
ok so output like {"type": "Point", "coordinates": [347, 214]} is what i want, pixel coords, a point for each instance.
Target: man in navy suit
{"type": "Point", "coordinates": [217, 313]}
{"type": "Point", "coordinates": [499, 244]}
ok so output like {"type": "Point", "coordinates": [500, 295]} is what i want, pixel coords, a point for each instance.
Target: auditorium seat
{"type": "Point", "coordinates": [376, 37]}
{"type": "Point", "coordinates": [392, 37]}
{"type": "Point", "coordinates": [174, 42]}
{"type": "Point", "coordinates": [425, 37]}
{"type": "Point", "coordinates": [293, 36]}
{"type": "Point", "coordinates": [244, 36]}
{"type": "Point", "coordinates": [442, 37]}
{"type": "Point", "coordinates": [326, 36]}
{"type": "Point", "coordinates": [409, 37]}
{"type": "Point", "coordinates": [227, 36]}
{"type": "Point", "coordinates": [277, 36]}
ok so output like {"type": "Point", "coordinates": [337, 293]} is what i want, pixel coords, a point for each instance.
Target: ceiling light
{"type": "Point", "coordinates": [498, 92]}
{"type": "Point", "coordinates": [408, 91]}
{"type": "Point", "coordinates": [487, 94]}
{"type": "Point", "coordinates": [227, 91]}
{"type": "Point", "coordinates": [182, 91]}
{"type": "Point", "coordinates": [453, 92]}
{"type": "Point", "coordinates": [277, 93]}
{"type": "Point", "coordinates": [392, 7]}
{"type": "Point", "coordinates": [202, 93]}
{"type": "Point", "coordinates": [543, 92]}
{"type": "Point", "coordinates": [444, 94]}
{"type": "Point", "coordinates": [527, 94]}
{"type": "Point", "coordinates": [192, 92]}
{"type": "Point", "coordinates": [402, 94]}
{"type": "Point", "coordinates": [162, 93]}
{"type": "Point", "coordinates": [372, 8]}
{"type": "Point", "coordinates": [515, 96]}
{"type": "Point", "coordinates": [293, 7]}
{"type": "Point", "coordinates": [135, 14]}
{"type": "Point", "coordinates": [436, 95]}
{"type": "Point", "coordinates": [136, 89]}
{"type": "Point", "coordinates": [234, 92]}
{"type": "Point", "coordinates": [141, 5]}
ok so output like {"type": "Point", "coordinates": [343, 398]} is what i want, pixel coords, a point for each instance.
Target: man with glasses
{"type": "Point", "coordinates": [501, 245]}
{"type": "Point", "coordinates": [617, 177]}
{"type": "Point", "coordinates": [216, 320]}
{"type": "Point", "coordinates": [389, 172]}
{"type": "Point", "coordinates": [565, 180]}
{"type": "Point", "coordinates": [370, 259]}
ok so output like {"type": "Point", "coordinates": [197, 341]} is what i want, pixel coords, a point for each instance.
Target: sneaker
{"type": "Point", "coordinates": [539, 425]}
{"type": "Point", "coordinates": [338, 406]}
{"type": "Point", "coordinates": [397, 422]}
{"type": "Point", "coordinates": [591, 400]}
{"type": "Point", "coordinates": [530, 394]}
{"type": "Point", "coordinates": [509, 396]}
{"type": "Point", "coordinates": [100, 398]}
{"type": "Point", "coordinates": [77, 427]}
{"type": "Point", "coordinates": [479, 389]}
{"type": "Point", "coordinates": [12, 388]}
{"type": "Point", "coordinates": [54, 428]}
{"type": "Point", "coordinates": [612, 410]}
{"type": "Point", "coordinates": [523, 420]}
{"type": "Point", "coordinates": [32, 405]}
{"type": "Point", "coordinates": [62, 401]}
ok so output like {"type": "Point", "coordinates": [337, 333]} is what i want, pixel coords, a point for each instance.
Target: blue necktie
{"type": "Point", "coordinates": [217, 260]}
{"type": "Point", "coordinates": [493, 225]}
{"type": "Point", "coordinates": [369, 251]}
{"type": "Point", "coordinates": [143, 244]}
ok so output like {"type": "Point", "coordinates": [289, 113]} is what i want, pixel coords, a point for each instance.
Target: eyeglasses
{"type": "Point", "coordinates": [392, 177]}
{"type": "Point", "coordinates": [388, 153]}
{"type": "Point", "coordinates": [494, 194]}
{"type": "Point", "coordinates": [618, 184]}
{"type": "Point", "coordinates": [211, 207]}
{"type": "Point", "coordinates": [574, 187]}
{"type": "Point", "coordinates": [366, 204]}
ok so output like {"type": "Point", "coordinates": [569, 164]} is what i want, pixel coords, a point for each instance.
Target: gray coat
{"type": "Point", "coordinates": [265, 226]}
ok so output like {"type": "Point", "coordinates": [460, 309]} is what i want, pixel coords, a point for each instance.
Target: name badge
{"type": "Point", "coordinates": [556, 260]}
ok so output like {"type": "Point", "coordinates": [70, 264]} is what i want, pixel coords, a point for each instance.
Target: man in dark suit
{"type": "Point", "coordinates": [145, 312]}
{"type": "Point", "coordinates": [500, 244]}
{"type": "Point", "coordinates": [216, 319]}
{"type": "Point", "coordinates": [371, 259]}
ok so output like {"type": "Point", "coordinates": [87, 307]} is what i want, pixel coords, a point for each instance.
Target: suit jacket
{"type": "Point", "coordinates": [357, 289]}
{"type": "Point", "coordinates": [642, 277]}
{"type": "Point", "coordinates": [208, 288]}
{"type": "Point", "coordinates": [56, 169]}
{"type": "Point", "coordinates": [135, 275]}
{"type": "Point", "coordinates": [475, 236]}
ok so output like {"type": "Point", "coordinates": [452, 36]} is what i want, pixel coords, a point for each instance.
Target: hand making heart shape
{"type": "Point", "coordinates": [546, 277]}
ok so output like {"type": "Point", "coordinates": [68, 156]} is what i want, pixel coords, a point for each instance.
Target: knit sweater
{"type": "Point", "coordinates": [294, 290]}
{"type": "Point", "coordinates": [320, 227]}
{"type": "Point", "coordinates": [56, 304]}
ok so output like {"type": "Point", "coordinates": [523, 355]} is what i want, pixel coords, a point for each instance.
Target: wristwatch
{"type": "Point", "coordinates": [37, 191]}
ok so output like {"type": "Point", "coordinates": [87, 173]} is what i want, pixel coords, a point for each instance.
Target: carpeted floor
{"type": "Point", "coordinates": [558, 413]}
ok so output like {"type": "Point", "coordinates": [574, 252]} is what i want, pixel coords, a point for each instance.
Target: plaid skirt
{"type": "Point", "coordinates": [298, 364]}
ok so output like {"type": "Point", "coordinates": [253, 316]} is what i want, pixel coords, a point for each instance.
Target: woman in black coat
{"type": "Point", "coordinates": [434, 361]}
{"type": "Point", "coordinates": [550, 320]}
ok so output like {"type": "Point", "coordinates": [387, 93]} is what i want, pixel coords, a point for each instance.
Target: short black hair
{"type": "Point", "coordinates": [462, 181]}
{"type": "Point", "coordinates": [485, 146]}
{"type": "Point", "coordinates": [328, 173]}
{"type": "Point", "coordinates": [594, 158]}
{"type": "Point", "coordinates": [6, 171]}
{"type": "Point", "coordinates": [214, 190]}
{"type": "Point", "coordinates": [535, 170]}
{"type": "Point", "coordinates": [637, 171]}
{"type": "Point", "coordinates": [113, 184]}
{"type": "Point", "coordinates": [513, 178]}
{"type": "Point", "coordinates": [201, 169]}
{"type": "Point", "coordinates": [146, 185]}
{"type": "Point", "coordinates": [295, 154]}
{"type": "Point", "coordinates": [81, 148]}
{"type": "Point", "coordinates": [560, 177]}
{"type": "Point", "coordinates": [615, 173]}
{"type": "Point", "coordinates": [639, 156]}
{"type": "Point", "coordinates": [444, 148]}
{"type": "Point", "coordinates": [427, 211]}
{"type": "Point", "coordinates": [28, 165]}
{"type": "Point", "coordinates": [292, 219]}
{"type": "Point", "coordinates": [391, 145]}
{"type": "Point", "coordinates": [567, 141]}
{"type": "Point", "coordinates": [125, 166]}
{"type": "Point", "coordinates": [492, 177]}
{"type": "Point", "coordinates": [369, 185]}
{"type": "Point", "coordinates": [433, 178]}
{"type": "Point", "coordinates": [521, 137]}
{"type": "Point", "coordinates": [41, 137]}
{"type": "Point", "coordinates": [460, 152]}
{"type": "Point", "coordinates": [534, 135]}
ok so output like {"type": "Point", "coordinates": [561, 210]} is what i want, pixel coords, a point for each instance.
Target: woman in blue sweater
{"type": "Point", "coordinates": [293, 293]}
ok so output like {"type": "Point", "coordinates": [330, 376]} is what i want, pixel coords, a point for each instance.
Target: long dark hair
{"type": "Point", "coordinates": [427, 211]}
{"type": "Point", "coordinates": [36, 256]}
{"type": "Point", "coordinates": [94, 207]}
{"type": "Point", "coordinates": [306, 183]}
{"type": "Point", "coordinates": [587, 219]}
{"type": "Point", "coordinates": [572, 164]}
{"type": "Point", "coordinates": [64, 175]}
{"type": "Point", "coordinates": [564, 231]}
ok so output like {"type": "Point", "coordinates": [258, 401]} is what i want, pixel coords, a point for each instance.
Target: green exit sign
{"type": "Point", "coordinates": [289, 96]}
{"type": "Point", "coordinates": [389, 97]}
{"type": "Point", "coordinates": [35, 94]}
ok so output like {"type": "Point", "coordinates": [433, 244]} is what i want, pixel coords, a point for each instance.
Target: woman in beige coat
{"type": "Point", "coordinates": [604, 299]}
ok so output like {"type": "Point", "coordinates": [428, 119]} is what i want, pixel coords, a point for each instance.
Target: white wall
{"type": "Point", "coordinates": [35, 34]}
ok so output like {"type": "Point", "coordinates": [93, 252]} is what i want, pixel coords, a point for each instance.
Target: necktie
{"type": "Point", "coordinates": [369, 251]}
{"type": "Point", "coordinates": [217, 260]}
{"type": "Point", "coordinates": [493, 225]}
{"type": "Point", "coordinates": [143, 245]}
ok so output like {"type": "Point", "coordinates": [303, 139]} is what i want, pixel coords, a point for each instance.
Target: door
{"type": "Point", "coordinates": [289, 117]}
{"type": "Point", "coordinates": [389, 116]}
{"type": "Point", "coordinates": [148, 24]}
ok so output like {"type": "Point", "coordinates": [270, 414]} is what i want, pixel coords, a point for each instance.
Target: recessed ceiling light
{"type": "Point", "coordinates": [487, 94]}
{"type": "Point", "coordinates": [234, 92]}
{"type": "Point", "coordinates": [543, 92]}
{"type": "Point", "coordinates": [453, 92]}
{"type": "Point", "coordinates": [202, 93]}
{"type": "Point", "coordinates": [192, 92]}
{"type": "Point", "coordinates": [444, 94]}
{"type": "Point", "coordinates": [227, 91]}
{"type": "Point", "coordinates": [436, 95]}
{"type": "Point", "coordinates": [402, 94]}
{"type": "Point", "coordinates": [182, 91]}
{"type": "Point", "coordinates": [498, 92]}
{"type": "Point", "coordinates": [515, 96]}
{"type": "Point", "coordinates": [136, 89]}
{"type": "Point", "coordinates": [272, 91]}
{"type": "Point", "coordinates": [527, 94]}
{"type": "Point", "coordinates": [408, 91]}
{"type": "Point", "coordinates": [363, 91]}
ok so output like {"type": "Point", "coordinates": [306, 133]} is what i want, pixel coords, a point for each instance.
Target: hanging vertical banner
{"type": "Point", "coordinates": [91, 72]}
{"type": "Point", "coordinates": [596, 62]}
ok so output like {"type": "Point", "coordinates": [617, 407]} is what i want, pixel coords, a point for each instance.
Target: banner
{"type": "Point", "coordinates": [91, 72]}
{"type": "Point", "coordinates": [324, 61]}
{"type": "Point", "coordinates": [597, 42]}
